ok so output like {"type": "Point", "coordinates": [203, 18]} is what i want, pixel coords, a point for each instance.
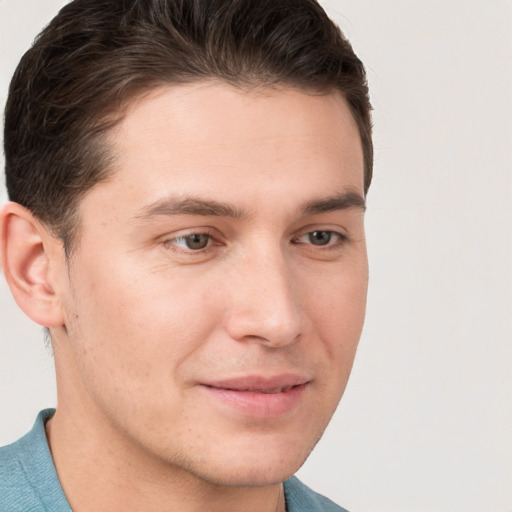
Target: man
{"type": "Point", "coordinates": [187, 184]}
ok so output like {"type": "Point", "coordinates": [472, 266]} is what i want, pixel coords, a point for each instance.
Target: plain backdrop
{"type": "Point", "coordinates": [426, 421]}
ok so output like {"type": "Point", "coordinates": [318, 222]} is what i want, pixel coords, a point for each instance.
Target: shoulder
{"type": "Point", "coordinates": [11, 474]}
{"type": "Point", "coordinates": [16, 493]}
{"type": "Point", "coordinates": [28, 480]}
{"type": "Point", "coordinates": [300, 498]}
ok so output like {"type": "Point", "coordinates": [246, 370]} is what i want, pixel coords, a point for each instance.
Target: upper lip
{"type": "Point", "coordinates": [259, 383]}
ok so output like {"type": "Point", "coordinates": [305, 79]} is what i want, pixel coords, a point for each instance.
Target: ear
{"type": "Point", "coordinates": [28, 251]}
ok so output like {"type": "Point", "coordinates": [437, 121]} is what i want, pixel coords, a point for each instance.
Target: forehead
{"type": "Point", "coordinates": [213, 113]}
{"type": "Point", "coordinates": [209, 138]}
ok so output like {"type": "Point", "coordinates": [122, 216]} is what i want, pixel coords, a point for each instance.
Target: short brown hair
{"type": "Point", "coordinates": [96, 54]}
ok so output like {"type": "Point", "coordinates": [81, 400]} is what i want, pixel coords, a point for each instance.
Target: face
{"type": "Point", "coordinates": [217, 295]}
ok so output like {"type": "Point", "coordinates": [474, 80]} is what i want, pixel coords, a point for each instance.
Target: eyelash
{"type": "Point", "coordinates": [171, 243]}
{"type": "Point", "coordinates": [340, 240]}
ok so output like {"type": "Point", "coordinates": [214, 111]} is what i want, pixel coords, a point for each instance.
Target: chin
{"type": "Point", "coordinates": [259, 465]}
{"type": "Point", "coordinates": [248, 475]}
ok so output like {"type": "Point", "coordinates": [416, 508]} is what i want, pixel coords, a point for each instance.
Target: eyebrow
{"type": "Point", "coordinates": [189, 206]}
{"type": "Point", "coordinates": [170, 206]}
{"type": "Point", "coordinates": [342, 201]}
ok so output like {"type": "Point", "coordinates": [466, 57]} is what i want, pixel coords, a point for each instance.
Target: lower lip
{"type": "Point", "coordinates": [257, 404]}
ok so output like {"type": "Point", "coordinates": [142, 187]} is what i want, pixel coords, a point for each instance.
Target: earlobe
{"type": "Point", "coordinates": [27, 252]}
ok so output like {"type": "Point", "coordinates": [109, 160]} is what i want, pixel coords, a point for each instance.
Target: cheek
{"type": "Point", "coordinates": [139, 323]}
{"type": "Point", "coordinates": [338, 309]}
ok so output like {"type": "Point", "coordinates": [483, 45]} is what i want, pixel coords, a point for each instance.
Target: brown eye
{"type": "Point", "coordinates": [322, 238]}
{"type": "Point", "coordinates": [193, 242]}
{"type": "Point", "coordinates": [196, 241]}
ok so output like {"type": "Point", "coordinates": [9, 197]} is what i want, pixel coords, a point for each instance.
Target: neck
{"type": "Point", "coordinates": [100, 472]}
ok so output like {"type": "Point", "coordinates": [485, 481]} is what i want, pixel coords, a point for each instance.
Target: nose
{"type": "Point", "coordinates": [264, 303]}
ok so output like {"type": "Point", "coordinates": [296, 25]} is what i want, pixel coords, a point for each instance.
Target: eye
{"type": "Point", "coordinates": [319, 237]}
{"type": "Point", "coordinates": [322, 238]}
{"type": "Point", "coordinates": [193, 242]}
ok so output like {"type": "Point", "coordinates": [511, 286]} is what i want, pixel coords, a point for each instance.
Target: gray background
{"type": "Point", "coordinates": [426, 422]}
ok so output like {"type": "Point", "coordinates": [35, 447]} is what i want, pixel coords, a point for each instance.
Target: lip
{"type": "Point", "coordinates": [259, 396]}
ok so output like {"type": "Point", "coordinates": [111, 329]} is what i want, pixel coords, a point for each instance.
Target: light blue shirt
{"type": "Point", "coordinates": [29, 481]}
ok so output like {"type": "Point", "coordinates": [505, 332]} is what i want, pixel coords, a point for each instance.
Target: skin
{"type": "Point", "coordinates": [140, 321]}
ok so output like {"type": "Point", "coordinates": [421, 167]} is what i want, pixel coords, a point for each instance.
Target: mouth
{"type": "Point", "coordinates": [269, 391]}
{"type": "Point", "coordinates": [259, 397]}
